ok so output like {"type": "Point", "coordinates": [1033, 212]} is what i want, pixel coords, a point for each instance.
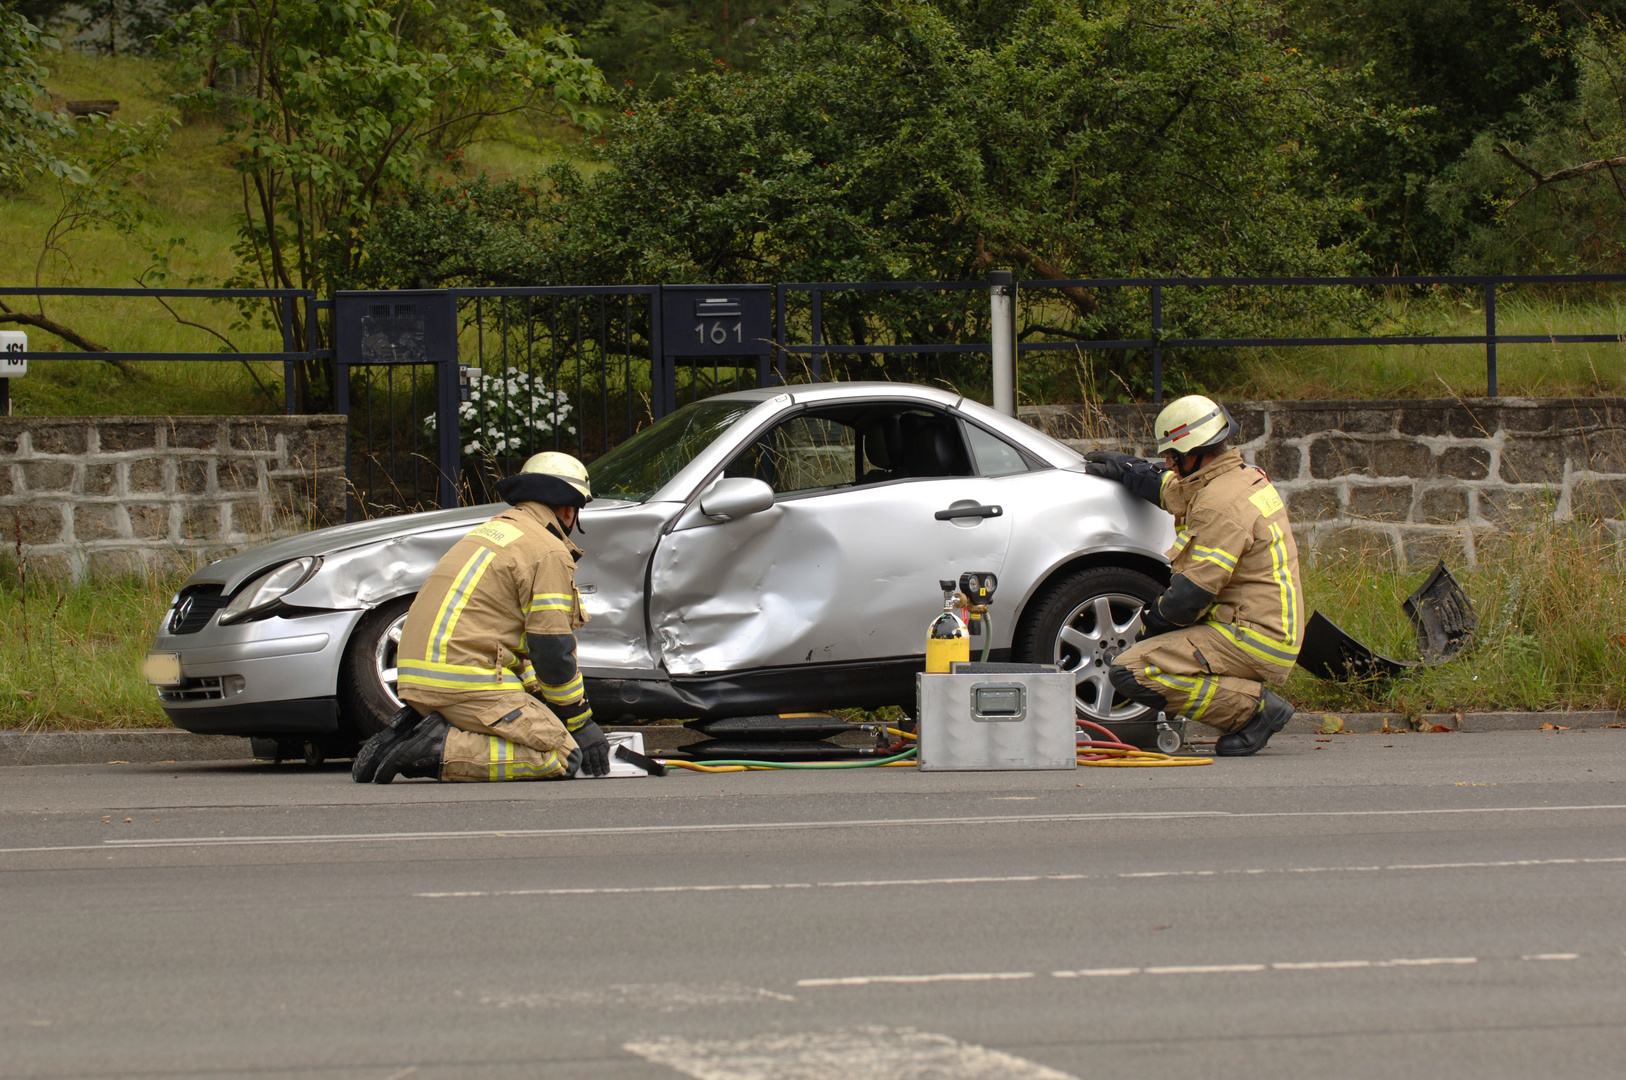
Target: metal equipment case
{"type": "Point", "coordinates": [996, 720]}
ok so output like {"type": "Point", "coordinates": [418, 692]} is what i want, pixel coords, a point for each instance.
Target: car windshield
{"type": "Point", "coordinates": [637, 468]}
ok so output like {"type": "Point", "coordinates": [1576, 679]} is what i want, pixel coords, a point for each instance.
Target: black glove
{"type": "Point", "coordinates": [1142, 477]}
{"type": "Point", "coordinates": [1153, 623]}
{"type": "Point", "coordinates": [1108, 464]}
{"type": "Point", "coordinates": [595, 746]}
{"type": "Point", "coordinates": [573, 715]}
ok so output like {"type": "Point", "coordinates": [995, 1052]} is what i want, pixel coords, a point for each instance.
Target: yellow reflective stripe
{"type": "Point", "coordinates": [552, 601]}
{"type": "Point", "coordinates": [457, 598]}
{"type": "Point", "coordinates": [1266, 648]}
{"type": "Point", "coordinates": [1284, 581]}
{"type": "Point", "coordinates": [1219, 557]}
{"type": "Point", "coordinates": [502, 764]}
{"type": "Point", "coordinates": [455, 676]}
{"type": "Point", "coordinates": [1199, 691]}
{"type": "Point", "coordinates": [564, 692]}
{"type": "Point", "coordinates": [496, 749]}
{"type": "Point", "coordinates": [1163, 484]}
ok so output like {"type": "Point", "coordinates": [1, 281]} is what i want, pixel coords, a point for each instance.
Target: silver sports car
{"type": "Point", "coordinates": [766, 551]}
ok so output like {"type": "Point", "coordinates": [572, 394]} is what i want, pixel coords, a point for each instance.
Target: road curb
{"type": "Point", "coordinates": [142, 746]}
{"type": "Point", "coordinates": [1329, 723]}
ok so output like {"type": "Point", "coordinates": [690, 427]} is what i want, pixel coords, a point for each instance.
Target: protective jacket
{"type": "Point", "coordinates": [1234, 564]}
{"type": "Point", "coordinates": [503, 594]}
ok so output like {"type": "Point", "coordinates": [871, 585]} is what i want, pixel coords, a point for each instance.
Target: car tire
{"type": "Point", "coordinates": [1066, 628]}
{"type": "Point", "coordinates": [367, 673]}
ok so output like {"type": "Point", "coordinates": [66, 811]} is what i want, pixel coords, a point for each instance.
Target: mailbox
{"type": "Point", "coordinates": [717, 320]}
{"type": "Point", "coordinates": [396, 327]}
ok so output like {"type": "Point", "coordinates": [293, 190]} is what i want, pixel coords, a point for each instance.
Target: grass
{"type": "Point", "coordinates": [1551, 600]}
{"type": "Point", "coordinates": [192, 196]}
{"type": "Point", "coordinates": [70, 656]}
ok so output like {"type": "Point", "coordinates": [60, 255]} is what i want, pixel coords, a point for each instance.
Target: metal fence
{"type": "Point", "coordinates": [581, 369]}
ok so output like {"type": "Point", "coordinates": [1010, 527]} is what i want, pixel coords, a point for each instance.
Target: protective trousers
{"type": "Point", "coordinates": [502, 736]}
{"type": "Point", "coordinates": [1198, 672]}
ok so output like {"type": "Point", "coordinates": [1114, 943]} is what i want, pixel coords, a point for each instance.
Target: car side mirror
{"type": "Point", "coordinates": [735, 497]}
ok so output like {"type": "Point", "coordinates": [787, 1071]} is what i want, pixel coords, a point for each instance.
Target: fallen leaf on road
{"type": "Point", "coordinates": [1553, 727]}
{"type": "Point", "coordinates": [1441, 727]}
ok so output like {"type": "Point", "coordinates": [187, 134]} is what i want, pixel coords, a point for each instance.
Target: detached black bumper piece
{"type": "Point", "coordinates": [301, 716]}
{"type": "Point", "coordinates": [1329, 653]}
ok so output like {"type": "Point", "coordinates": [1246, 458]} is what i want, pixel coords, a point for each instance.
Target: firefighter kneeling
{"type": "Point", "coordinates": [487, 659]}
{"type": "Point", "coordinates": [1232, 616]}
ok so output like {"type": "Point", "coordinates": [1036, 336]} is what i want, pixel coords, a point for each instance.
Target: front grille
{"type": "Point", "coordinates": [206, 688]}
{"type": "Point", "coordinates": [194, 608]}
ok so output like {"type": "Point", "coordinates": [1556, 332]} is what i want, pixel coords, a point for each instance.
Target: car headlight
{"type": "Point", "coordinates": [267, 590]}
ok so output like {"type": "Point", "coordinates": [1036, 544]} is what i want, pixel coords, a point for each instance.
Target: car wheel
{"type": "Point", "coordinates": [367, 677]}
{"type": "Point", "coordinates": [1084, 621]}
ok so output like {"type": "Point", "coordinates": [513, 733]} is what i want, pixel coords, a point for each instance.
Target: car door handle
{"type": "Point", "coordinates": [969, 511]}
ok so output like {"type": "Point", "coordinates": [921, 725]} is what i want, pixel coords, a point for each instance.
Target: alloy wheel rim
{"type": "Point", "coordinates": [1091, 635]}
{"type": "Point", "coordinates": [384, 658]}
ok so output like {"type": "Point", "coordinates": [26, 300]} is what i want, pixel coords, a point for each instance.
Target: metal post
{"type": "Point", "coordinates": [290, 399]}
{"type": "Point", "coordinates": [448, 428]}
{"type": "Point", "coordinates": [1490, 339]}
{"type": "Point", "coordinates": [817, 358]}
{"type": "Point", "coordinates": [5, 397]}
{"type": "Point", "coordinates": [779, 333]}
{"type": "Point", "coordinates": [1157, 344]}
{"type": "Point", "coordinates": [658, 399]}
{"type": "Point", "coordinates": [1002, 339]}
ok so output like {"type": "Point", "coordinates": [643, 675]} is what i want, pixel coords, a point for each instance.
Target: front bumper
{"type": "Point", "coordinates": [301, 716]}
{"type": "Point", "coordinates": [271, 676]}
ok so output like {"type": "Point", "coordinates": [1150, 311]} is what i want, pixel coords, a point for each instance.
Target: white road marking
{"type": "Point", "coordinates": [779, 826]}
{"type": "Point", "coordinates": [969, 976]}
{"type": "Point", "coordinates": [868, 1053]}
{"type": "Point", "coordinates": [880, 883]}
{"type": "Point", "coordinates": [1308, 965]}
{"type": "Point", "coordinates": [1553, 956]}
{"type": "Point", "coordinates": [662, 997]}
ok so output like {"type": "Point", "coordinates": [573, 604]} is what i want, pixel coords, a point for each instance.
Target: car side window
{"type": "Point", "coordinates": [994, 456]}
{"type": "Point", "coordinates": [855, 444]}
{"type": "Point", "coordinates": [805, 453]}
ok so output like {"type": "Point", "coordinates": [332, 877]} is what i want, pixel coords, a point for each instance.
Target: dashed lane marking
{"type": "Point", "coordinates": [866, 1053]}
{"type": "Point", "coordinates": [777, 826]}
{"type": "Point", "coordinates": [968, 976]}
{"type": "Point", "coordinates": [1309, 965]}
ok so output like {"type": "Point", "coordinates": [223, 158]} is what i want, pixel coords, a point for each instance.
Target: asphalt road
{"type": "Point", "coordinates": [1360, 906]}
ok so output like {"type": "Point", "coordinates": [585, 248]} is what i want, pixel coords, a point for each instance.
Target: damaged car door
{"type": "Point", "coordinates": [873, 505]}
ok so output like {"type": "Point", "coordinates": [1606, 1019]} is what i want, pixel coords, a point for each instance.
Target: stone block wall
{"type": "Point", "coordinates": [1421, 479]}
{"type": "Point", "coordinates": [115, 494]}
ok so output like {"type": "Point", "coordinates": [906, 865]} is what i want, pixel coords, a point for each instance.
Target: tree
{"type": "Point", "coordinates": [334, 103]}
{"type": "Point", "coordinates": [910, 140]}
{"type": "Point", "coordinates": [1438, 74]}
{"type": "Point", "coordinates": [1545, 192]}
{"type": "Point", "coordinates": [30, 138]}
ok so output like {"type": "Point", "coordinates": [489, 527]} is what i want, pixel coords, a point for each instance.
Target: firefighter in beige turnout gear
{"type": "Point", "coordinates": [1233, 615]}
{"type": "Point", "coordinates": [487, 658]}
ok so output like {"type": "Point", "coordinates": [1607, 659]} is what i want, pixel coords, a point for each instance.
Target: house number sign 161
{"type": "Point", "coordinates": [718, 320]}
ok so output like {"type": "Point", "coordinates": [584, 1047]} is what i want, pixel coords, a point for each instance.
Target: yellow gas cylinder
{"type": "Point", "coordinates": [947, 640]}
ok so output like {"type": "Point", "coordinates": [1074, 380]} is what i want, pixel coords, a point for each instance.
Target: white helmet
{"type": "Point", "coordinates": [1193, 424]}
{"type": "Point", "coordinates": [551, 478]}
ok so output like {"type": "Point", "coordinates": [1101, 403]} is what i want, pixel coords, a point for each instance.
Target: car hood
{"type": "Point", "coordinates": [231, 572]}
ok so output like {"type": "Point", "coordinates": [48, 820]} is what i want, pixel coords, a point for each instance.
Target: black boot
{"type": "Point", "coordinates": [402, 724]}
{"type": "Point", "coordinates": [1250, 738]}
{"type": "Point", "coordinates": [418, 756]}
